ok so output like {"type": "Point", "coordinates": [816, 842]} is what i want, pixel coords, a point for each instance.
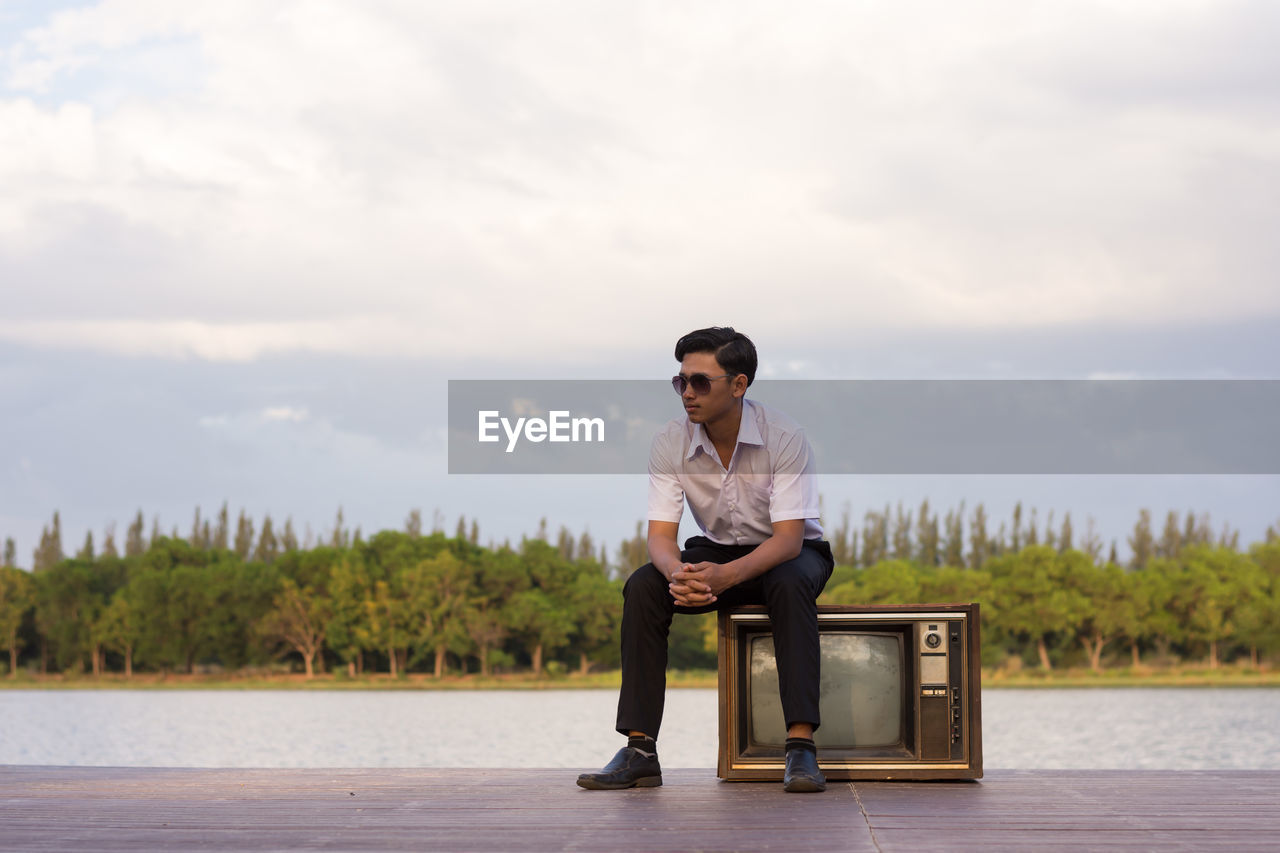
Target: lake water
{"type": "Point", "coordinates": [1060, 728]}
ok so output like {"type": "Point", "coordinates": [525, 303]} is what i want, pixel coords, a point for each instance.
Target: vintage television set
{"type": "Point", "coordinates": [900, 694]}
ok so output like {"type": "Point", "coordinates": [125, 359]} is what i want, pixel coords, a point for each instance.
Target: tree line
{"type": "Point", "coordinates": [244, 595]}
{"type": "Point", "coordinates": [397, 601]}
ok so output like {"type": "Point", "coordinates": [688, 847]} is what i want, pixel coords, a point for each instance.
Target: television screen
{"type": "Point", "coordinates": [900, 694]}
{"type": "Point", "coordinates": [861, 692]}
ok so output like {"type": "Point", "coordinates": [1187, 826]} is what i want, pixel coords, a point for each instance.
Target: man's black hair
{"type": "Point", "coordinates": [733, 350]}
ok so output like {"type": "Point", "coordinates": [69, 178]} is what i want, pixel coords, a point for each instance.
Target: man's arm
{"type": "Point", "coordinates": [700, 583]}
{"type": "Point", "coordinates": [664, 551]}
{"type": "Point", "coordinates": [666, 505]}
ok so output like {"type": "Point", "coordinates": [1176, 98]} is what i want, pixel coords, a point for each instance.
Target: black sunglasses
{"type": "Point", "coordinates": [701, 382]}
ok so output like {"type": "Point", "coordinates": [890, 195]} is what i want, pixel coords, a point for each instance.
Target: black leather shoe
{"type": "Point", "coordinates": [628, 769]}
{"type": "Point", "coordinates": [802, 775]}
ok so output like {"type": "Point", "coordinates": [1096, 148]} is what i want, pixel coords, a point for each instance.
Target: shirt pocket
{"type": "Point", "coordinates": [755, 491]}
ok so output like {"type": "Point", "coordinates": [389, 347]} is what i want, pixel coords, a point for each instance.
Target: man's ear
{"type": "Point", "coordinates": [740, 385]}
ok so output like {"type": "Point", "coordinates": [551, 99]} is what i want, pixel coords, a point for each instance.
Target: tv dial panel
{"type": "Point", "coordinates": [941, 672]}
{"type": "Point", "coordinates": [933, 653]}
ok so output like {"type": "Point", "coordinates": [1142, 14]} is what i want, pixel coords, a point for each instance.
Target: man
{"type": "Point", "coordinates": [748, 475]}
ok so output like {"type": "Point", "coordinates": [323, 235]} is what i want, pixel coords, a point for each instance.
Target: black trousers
{"type": "Point", "coordinates": [790, 591]}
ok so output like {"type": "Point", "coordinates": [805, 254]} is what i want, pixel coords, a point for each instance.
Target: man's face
{"type": "Point", "coordinates": [723, 396]}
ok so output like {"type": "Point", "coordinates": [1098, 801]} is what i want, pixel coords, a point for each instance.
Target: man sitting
{"type": "Point", "coordinates": [748, 474]}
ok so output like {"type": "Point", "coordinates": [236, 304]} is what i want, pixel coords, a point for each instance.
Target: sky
{"type": "Point", "coordinates": [244, 246]}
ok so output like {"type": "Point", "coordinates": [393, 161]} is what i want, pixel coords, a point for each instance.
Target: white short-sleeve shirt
{"type": "Point", "coordinates": [770, 478]}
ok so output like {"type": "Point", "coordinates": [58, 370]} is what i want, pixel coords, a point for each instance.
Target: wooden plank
{"type": "Point", "coordinates": [70, 808]}
{"type": "Point", "coordinates": [1081, 809]}
{"type": "Point", "coordinates": [101, 808]}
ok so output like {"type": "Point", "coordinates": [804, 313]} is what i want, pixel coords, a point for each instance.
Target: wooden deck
{"type": "Point", "coordinates": [84, 809]}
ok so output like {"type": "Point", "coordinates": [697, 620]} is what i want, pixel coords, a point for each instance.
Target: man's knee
{"type": "Point", "coordinates": [802, 577]}
{"type": "Point", "coordinates": [645, 582]}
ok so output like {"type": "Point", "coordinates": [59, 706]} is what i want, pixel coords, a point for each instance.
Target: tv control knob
{"type": "Point", "coordinates": [932, 640]}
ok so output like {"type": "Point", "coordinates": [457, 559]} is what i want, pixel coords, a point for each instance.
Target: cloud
{"type": "Point", "coordinates": [284, 413]}
{"type": "Point", "coordinates": [180, 340]}
{"type": "Point", "coordinates": [507, 180]}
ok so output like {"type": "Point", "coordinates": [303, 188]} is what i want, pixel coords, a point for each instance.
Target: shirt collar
{"type": "Point", "coordinates": [748, 433]}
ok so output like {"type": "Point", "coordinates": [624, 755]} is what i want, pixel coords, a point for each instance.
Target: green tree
{"type": "Point", "coordinates": [17, 597]}
{"type": "Point", "coordinates": [413, 524]}
{"type": "Point", "coordinates": [1197, 530]}
{"type": "Point", "coordinates": [541, 614]}
{"type": "Point", "coordinates": [956, 583]}
{"type": "Point", "coordinates": [633, 553]}
{"type": "Point", "coordinates": [979, 545]}
{"type": "Point", "coordinates": [239, 596]}
{"type": "Point", "coordinates": [927, 538]}
{"type": "Point", "coordinates": [875, 536]}
{"type": "Point", "coordinates": [890, 582]}
{"type": "Point", "coordinates": [50, 553]}
{"type": "Point", "coordinates": [1107, 605]}
{"type": "Point", "coordinates": [1170, 542]}
{"type": "Point", "coordinates": [298, 619]}
{"type": "Point", "coordinates": [69, 597]}
{"type": "Point", "coordinates": [192, 604]}
{"type": "Point", "coordinates": [176, 603]}
{"type": "Point", "coordinates": [841, 545]}
{"type": "Point", "coordinates": [953, 538]}
{"type": "Point", "coordinates": [387, 615]}
{"type": "Point", "coordinates": [1151, 589]}
{"type": "Point", "coordinates": [545, 625]}
{"type": "Point", "coordinates": [341, 537]}
{"type": "Point", "coordinates": [439, 594]}
{"type": "Point", "coordinates": [197, 537]}
{"type": "Point", "coordinates": [1066, 539]}
{"type": "Point", "coordinates": [1136, 616]}
{"type": "Point", "coordinates": [109, 549]}
{"type": "Point", "coordinates": [596, 604]}
{"type": "Point", "coordinates": [1141, 542]}
{"type": "Point", "coordinates": [885, 582]}
{"type": "Point", "coordinates": [566, 545]}
{"type": "Point", "coordinates": [1032, 595]}
{"type": "Point", "coordinates": [244, 536]}
{"type": "Point", "coordinates": [1015, 536]}
{"type": "Point", "coordinates": [311, 569]}
{"type": "Point", "coordinates": [500, 577]}
{"type": "Point", "coordinates": [268, 547]}
{"type": "Point", "coordinates": [902, 534]}
{"type": "Point", "coordinates": [350, 632]}
{"type": "Point", "coordinates": [391, 621]}
{"type": "Point", "coordinates": [586, 547]}
{"type": "Point", "coordinates": [119, 628]}
{"type": "Point", "coordinates": [1258, 620]}
{"type": "Point", "coordinates": [86, 551]}
{"type": "Point", "coordinates": [1213, 584]}
{"type": "Point", "coordinates": [288, 538]}
{"type": "Point", "coordinates": [222, 530]}
{"type": "Point", "coordinates": [135, 544]}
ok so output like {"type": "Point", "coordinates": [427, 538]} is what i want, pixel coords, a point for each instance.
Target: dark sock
{"type": "Point", "coordinates": [646, 746]}
{"type": "Point", "coordinates": [801, 743]}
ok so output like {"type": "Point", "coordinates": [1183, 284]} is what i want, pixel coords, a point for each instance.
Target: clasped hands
{"type": "Point", "coordinates": [699, 584]}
